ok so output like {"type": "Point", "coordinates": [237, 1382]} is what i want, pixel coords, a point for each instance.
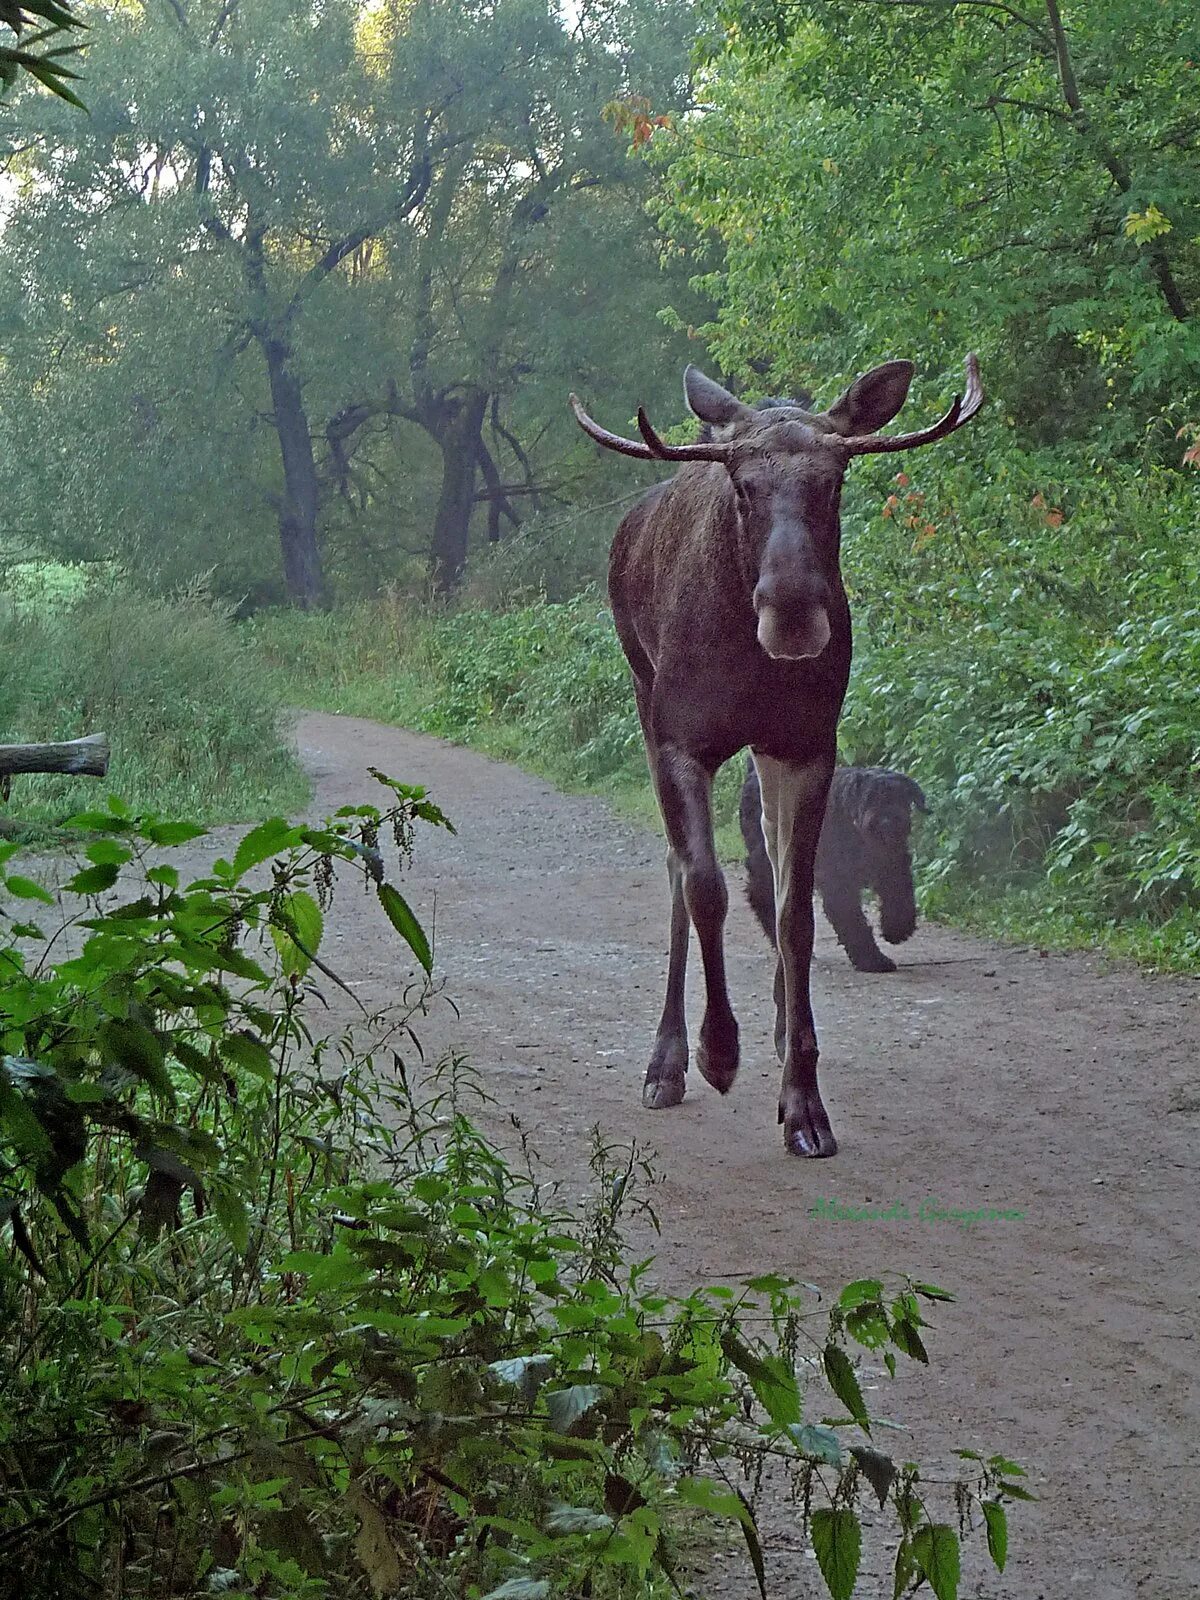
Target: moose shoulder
{"type": "Point", "coordinates": [728, 600]}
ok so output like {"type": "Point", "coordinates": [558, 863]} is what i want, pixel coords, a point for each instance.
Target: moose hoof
{"type": "Point", "coordinates": [717, 1061]}
{"type": "Point", "coordinates": [659, 1093]}
{"type": "Point", "coordinates": [666, 1081]}
{"type": "Point", "coordinates": [806, 1129]}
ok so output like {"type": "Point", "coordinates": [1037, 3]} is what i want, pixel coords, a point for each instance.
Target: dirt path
{"type": "Point", "coordinates": [977, 1076]}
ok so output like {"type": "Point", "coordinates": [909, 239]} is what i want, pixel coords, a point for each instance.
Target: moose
{"type": "Point", "coordinates": [728, 600]}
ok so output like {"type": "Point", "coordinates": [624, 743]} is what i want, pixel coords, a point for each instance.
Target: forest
{"type": "Point", "coordinates": [292, 297]}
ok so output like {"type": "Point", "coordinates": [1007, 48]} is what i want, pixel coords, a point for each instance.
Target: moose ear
{"type": "Point", "coordinates": [872, 400]}
{"type": "Point", "coordinates": [708, 401]}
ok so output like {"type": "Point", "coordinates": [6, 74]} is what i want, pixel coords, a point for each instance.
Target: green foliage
{"type": "Point", "coordinates": [1027, 646]}
{"type": "Point", "coordinates": [273, 1323]}
{"type": "Point", "coordinates": [193, 724]}
{"type": "Point", "coordinates": [53, 21]}
{"type": "Point", "coordinates": [1044, 696]}
{"type": "Point", "coordinates": [259, 287]}
{"type": "Point", "coordinates": [1021, 185]}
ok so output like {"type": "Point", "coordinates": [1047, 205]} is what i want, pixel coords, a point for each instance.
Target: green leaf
{"type": "Point", "coordinates": [878, 1469]}
{"type": "Point", "coordinates": [297, 931]}
{"type": "Point", "coordinates": [138, 1049]}
{"type": "Point", "coordinates": [108, 853]}
{"type": "Point", "coordinates": [566, 1406]}
{"type": "Point", "coordinates": [844, 1383]}
{"type": "Point", "coordinates": [905, 1337]}
{"type": "Point", "coordinates": [905, 1569]}
{"type": "Point", "coordinates": [274, 837]}
{"type": "Point", "coordinates": [244, 1051]}
{"type": "Point", "coordinates": [837, 1542]}
{"type": "Point", "coordinates": [233, 1216]}
{"type": "Point", "coordinates": [854, 1294]}
{"type": "Point", "coordinates": [1016, 1492]}
{"type": "Point", "coordinates": [753, 1544]}
{"type": "Point", "coordinates": [935, 1549]}
{"type": "Point", "coordinates": [997, 1532]}
{"type": "Point", "coordinates": [868, 1326]}
{"type": "Point", "coordinates": [772, 1380]}
{"type": "Point", "coordinates": [172, 833]}
{"type": "Point", "coordinates": [25, 889]}
{"type": "Point", "coordinates": [373, 1543]}
{"type": "Point", "coordinates": [93, 880]}
{"type": "Point", "coordinates": [932, 1292]}
{"type": "Point", "coordinates": [401, 916]}
{"type": "Point", "coordinates": [812, 1440]}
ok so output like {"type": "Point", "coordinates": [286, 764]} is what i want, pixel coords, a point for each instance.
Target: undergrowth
{"type": "Point", "coordinates": [1027, 645]}
{"type": "Point", "coordinates": [193, 722]}
{"type": "Point", "coordinates": [277, 1321]}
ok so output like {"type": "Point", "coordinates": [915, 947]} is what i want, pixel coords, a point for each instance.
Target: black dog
{"type": "Point", "coordinates": [864, 845]}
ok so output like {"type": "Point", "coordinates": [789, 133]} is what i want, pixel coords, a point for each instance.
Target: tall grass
{"type": "Point", "coordinates": [193, 719]}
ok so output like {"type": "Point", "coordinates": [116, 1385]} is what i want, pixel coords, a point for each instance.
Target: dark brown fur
{"type": "Point", "coordinates": [864, 846]}
{"type": "Point", "coordinates": [728, 600]}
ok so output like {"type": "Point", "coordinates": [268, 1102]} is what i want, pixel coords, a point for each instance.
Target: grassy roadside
{"type": "Point", "coordinates": [544, 686]}
{"type": "Point", "coordinates": [196, 730]}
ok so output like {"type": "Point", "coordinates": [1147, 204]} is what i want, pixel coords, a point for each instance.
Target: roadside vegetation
{"type": "Point", "coordinates": [194, 724]}
{"type": "Point", "coordinates": [276, 1319]}
{"type": "Point", "coordinates": [1044, 693]}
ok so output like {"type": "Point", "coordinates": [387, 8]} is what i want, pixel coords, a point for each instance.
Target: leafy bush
{"type": "Point", "coordinates": [1027, 644]}
{"type": "Point", "coordinates": [272, 1325]}
{"type": "Point", "coordinates": [193, 721]}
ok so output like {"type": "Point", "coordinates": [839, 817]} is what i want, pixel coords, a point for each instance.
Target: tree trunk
{"type": "Point", "coordinates": [303, 575]}
{"type": "Point", "coordinates": [458, 437]}
{"type": "Point", "coordinates": [84, 757]}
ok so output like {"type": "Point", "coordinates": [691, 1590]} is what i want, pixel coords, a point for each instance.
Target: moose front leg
{"type": "Point", "coordinates": [684, 787]}
{"type": "Point", "coordinates": [793, 810]}
{"type": "Point", "coordinates": [666, 1075]}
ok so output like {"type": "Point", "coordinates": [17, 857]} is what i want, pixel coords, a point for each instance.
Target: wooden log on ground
{"type": "Point", "coordinates": [81, 757]}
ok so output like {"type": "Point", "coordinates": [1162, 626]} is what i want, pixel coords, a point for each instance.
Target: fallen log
{"type": "Point", "coordinates": [82, 757]}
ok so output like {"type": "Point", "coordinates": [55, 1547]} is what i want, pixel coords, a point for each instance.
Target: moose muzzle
{"type": "Point", "coordinates": [793, 618]}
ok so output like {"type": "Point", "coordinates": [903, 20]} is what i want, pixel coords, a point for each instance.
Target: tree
{"type": "Point", "coordinates": [892, 175]}
{"type": "Point", "coordinates": [528, 157]}
{"type": "Point", "coordinates": [293, 262]}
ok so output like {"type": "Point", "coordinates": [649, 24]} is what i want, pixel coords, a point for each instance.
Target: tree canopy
{"type": "Point", "coordinates": [272, 279]}
{"type": "Point", "coordinates": [929, 176]}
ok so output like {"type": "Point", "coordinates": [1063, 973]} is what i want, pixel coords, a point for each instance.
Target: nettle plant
{"type": "Point", "coordinates": [277, 1322]}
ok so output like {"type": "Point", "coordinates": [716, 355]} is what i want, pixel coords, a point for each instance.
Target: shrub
{"type": "Point", "coordinates": [273, 1324]}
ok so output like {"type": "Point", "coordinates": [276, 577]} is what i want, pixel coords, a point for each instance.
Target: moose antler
{"type": "Point", "coordinates": [710, 450]}
{"type": "Point", "coordinates": [610, 441]}
{"type": "Point", "coordinates": [654, 448]}
{"type": "Point", "coordinates": [962, 410]}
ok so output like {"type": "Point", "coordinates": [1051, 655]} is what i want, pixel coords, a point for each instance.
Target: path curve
{"type": "Point", "coordinates": [1062, 1087]}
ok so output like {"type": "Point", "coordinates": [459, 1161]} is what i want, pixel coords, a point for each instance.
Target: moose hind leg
{"type": "Point", "coordinates": [685, 794]}
{"type": "Point", "coordinates": [666, 1075]}
{"type": "Point", "coordinates": [793, 809]}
